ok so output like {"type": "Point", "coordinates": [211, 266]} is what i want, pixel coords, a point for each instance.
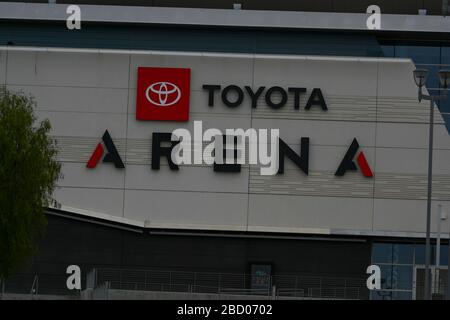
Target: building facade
{"type": "Point", "coordinates": [353, 188]}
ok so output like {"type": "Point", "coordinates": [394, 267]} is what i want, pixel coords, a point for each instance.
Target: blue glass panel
{"type": "Point", "coordinates": [390, 295]}
{"type": "Point", "coordinates": [392, 253]}
{"type": "Point", "coordinates": [402, 277]}
{"type": "Point", "coordinates": [420, 254]}
{"type": "Point", "coordinates": [403, 253]}
{"type": "Point", "coordinates": [419, 54]}
{"type": "Point", "coordinates": [191, 39]}
{"type": "Point", "coordinates": [380, 295]}
{"type": "Point", "coordinates": [388, 50]}
{"type": "Point", "coordinates": [444, 255]}
{"type": "Point", "coordinates": [445, 105]}
{"type": "Point", "coordinates": [386, 276]}
{"type": "Point", "coordinates": [402, 295]}
{"type": "Point", "coordinates": [382, 253]}
{"type": "Point", "coordinates": [316, 43]}
{"type": "Point", "coordinates": [423, 56]}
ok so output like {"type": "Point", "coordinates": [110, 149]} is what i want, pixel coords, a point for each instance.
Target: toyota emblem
{"type": "Point", "coordinates": [163, 94]}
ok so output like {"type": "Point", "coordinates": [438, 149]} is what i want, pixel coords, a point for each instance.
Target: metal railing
{"type": "Point", "coordinates": [37, 284]}
{"type": "Point", "coordinates": [101, 280]}
{"type": "Point", "coordinates": [278, 286]}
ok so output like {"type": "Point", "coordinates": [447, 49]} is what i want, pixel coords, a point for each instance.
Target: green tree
{"type": "Point", "coordinates": [28, 174]}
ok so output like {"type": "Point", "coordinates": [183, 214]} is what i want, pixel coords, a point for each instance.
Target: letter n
{"type": "Point", "coordinates": [301, 161]}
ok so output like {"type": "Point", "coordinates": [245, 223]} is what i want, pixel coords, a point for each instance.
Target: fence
{"type": "Point", "coordinates": [229, 283]}
{"type": "Point", "coordinates": [104, 279]}
{"type": "Point", "coordinates": [36, 284]}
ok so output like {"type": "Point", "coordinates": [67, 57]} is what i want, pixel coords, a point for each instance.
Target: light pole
{"type": "Point", "coordinates": [441, 216]}
{"type": "Point", "coordinates": [420, 78]}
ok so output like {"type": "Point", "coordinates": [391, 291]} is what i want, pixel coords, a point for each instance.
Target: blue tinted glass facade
{"type": "Point", "coordinates": [191, 39]}
{"type": "Point", "coordinates": [398, 264]}
{"type": "Point", "coordinates": [432, 57]}
{"type": "Point", "coordinates": [424, 57]}
{"type": "Point", "coordinates": [445, 106]}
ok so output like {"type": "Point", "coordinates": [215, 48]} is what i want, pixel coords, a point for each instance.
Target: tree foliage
{"type": "Point", "coordinates": [28, 174]}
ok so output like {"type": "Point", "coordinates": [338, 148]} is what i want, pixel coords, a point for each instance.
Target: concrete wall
{"type": "Point", "coordinates": [374, 100]}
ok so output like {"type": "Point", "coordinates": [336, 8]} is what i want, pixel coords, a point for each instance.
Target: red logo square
{"type": "Point", "coordinates": [163, 94]}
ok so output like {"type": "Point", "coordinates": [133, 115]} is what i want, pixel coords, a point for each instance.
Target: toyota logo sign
{"type": "Point", "coordinates": [166, 93]}
{"type": "Point", "coordinates": [163, 94]}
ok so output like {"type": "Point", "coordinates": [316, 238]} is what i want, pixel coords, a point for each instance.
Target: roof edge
{"type": "Point", "coordinates": [224, 17]}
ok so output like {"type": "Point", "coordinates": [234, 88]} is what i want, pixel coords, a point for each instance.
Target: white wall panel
{"type": "Point", "coordinates": [396, 80]}
{"type": "Point", "coordinates": [106, 201]}
{"type": "Point", "coordinates": [323, 73]}
{"type": "Point", "coordinates": [375, 101]}
{"type": "Point", "coordinates": [68, 69]}
{"type": "Point", "coordinates": [197, 210]}
{"type": "Point", "coordinates": [204, 70]}
{"type": "Point", "coordinates": [85, 124]}
{"type": "Point", "coordinates": [409, 216]}
{"type": "Point", "coordinates": [77, 99]}
{"type": "Point", "coordinates": [411, 161]}
{"type": "Point", "coordinates": [103, 176]}
{"type": "Point", "coordinates": [411, 135]}
{"type": "Point", "coordinates": [281, 212]}
{"type": "Point", "coordinates": [192, 178]}
{"type": "Point", "coordinates": [330, 133]}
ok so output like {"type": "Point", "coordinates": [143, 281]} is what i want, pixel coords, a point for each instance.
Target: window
{"type": "Point", "coordinates": [392, 253]}
{"type": "Point", "coordinates": [402, 277]}
{"type": "Point", "coordinates": [424, 57]}
{"type": "Point", "coordinates": [402, 253]}
{"type": "Point", "coordinates": [445, 105]}
{"type": "Point", "coordinates": [382, 253]}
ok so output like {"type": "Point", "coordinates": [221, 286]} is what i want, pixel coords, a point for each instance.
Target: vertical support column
{"type": "Point", "coordinates": [427, 293]}
{"type": "Point", "coordinates": [438, 248]}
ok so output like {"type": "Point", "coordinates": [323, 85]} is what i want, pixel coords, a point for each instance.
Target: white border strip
{"type": "Point", "coordinates": [387, 234]}
{"type": "Point", "coordinates": [206, 54]}
{"type": "Point", "coordinates": [102, 216]}
{"type": "Point", "coordinates": [285, 231]}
